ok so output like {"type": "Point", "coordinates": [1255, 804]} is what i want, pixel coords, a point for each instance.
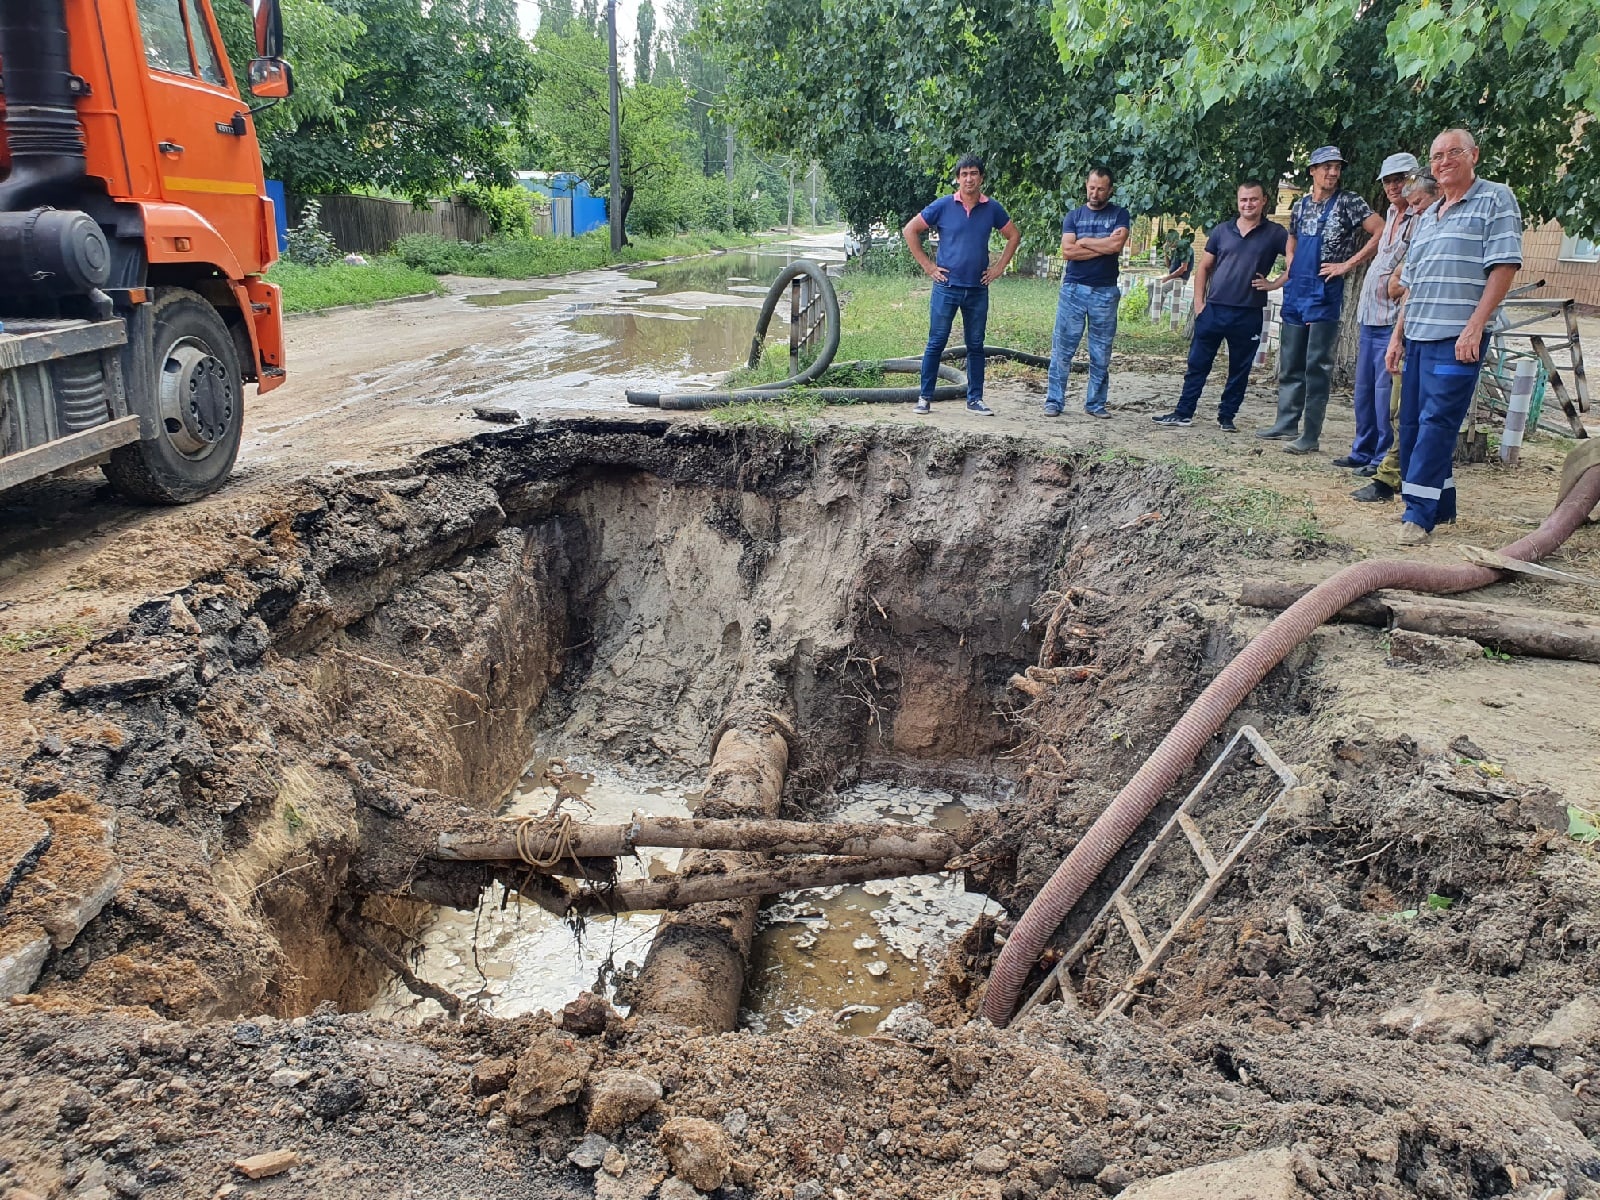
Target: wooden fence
{"type": "Point", "coordinates": [369, 225]}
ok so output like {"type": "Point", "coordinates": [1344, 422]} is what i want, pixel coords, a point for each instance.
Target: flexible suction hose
{"type": "Point", "coordinates": [1179, 749]}
{"type": "Point", "coordinates": [954, 388]}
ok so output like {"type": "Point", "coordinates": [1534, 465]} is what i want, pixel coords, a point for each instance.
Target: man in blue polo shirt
{"type": "Point", "coordinates": [1092, 238]}
{"type": "Point", "coordinates": [962, 275]}
{"type": "Point", "coordinates": [1465, 250]}
{"type": "Point", "coordinates": [1230, 299]}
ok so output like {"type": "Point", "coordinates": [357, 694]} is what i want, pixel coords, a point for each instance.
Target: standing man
{"type": "Point", "coordinates": [1324, 227]}
{"type": "Point", "coordinates": [962, 276]}
{"type": "Point", "coordinates": [1092, 238]}
{"type": "Point", "coordinates": [1384, 484]}
{"type": "Point", "coordinates": [1376, 313]}
{"type": "Point", "coordinates": [1465, 250]}
{"type": "Point", "coordinates": [1230, 300]}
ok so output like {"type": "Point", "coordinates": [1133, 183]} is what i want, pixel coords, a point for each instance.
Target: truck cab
{"type": "Point", "coordinates": [135, 232]}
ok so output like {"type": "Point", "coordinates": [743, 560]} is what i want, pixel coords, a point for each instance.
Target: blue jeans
{"type": "Point", "coordinates": [1435, 393]}
{"type": "Point", "coordinates": [1374, 429]}
{"type": "Point", "coordinates": [1240, 327]}
{"type": "Point", "coordinates": [973, 305]}
{"type": "Point", "coordinates": [1080, 307]}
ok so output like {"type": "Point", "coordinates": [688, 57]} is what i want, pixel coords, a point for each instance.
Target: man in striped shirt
{"type": "Point", "coordinates": [1465, 249]}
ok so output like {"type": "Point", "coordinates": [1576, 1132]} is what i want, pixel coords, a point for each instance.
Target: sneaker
{"type": "Point", "coordinates": [1097, 412]}
{"type": "Point", "coordinates": [1226, 425]}
{"type": "Point", "coordinates": [1173, 421]}
{"type": "Point", "coordinates": [1413, 535]}
{"type": "Point", "coordinates": [924, 407]}
{"type": "Point", "coordinates": [1052, 410]}
{"type": "Point", "coordinates": [1347, 461]}
{"type": "Point", "coordinates": [1374, 493]}
{"type": "Point", "coordinates": [978, 406]}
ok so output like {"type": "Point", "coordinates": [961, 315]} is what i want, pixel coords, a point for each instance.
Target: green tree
{"type": "Point", "coordinates": [433, 92]}
{"type": "Point", "coordinates": [319, 39]}
{"type": "Point", "coordinates": [571, 119]}
{"type": "Point", "coordinates": [644, 48]}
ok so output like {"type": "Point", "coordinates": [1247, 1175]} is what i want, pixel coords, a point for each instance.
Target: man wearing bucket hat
{"type": "Point", "coordinates": [1376, 313]}
{"type": "Point", "coordinates": [1325, 227]}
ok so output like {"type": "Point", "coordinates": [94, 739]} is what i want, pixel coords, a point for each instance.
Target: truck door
{"type": "Point", "coordinates": [205, 145]}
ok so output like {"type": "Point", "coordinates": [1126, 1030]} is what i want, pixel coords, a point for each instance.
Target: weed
{"type": "Point", "coordinates": [1494, 655]}
{"type": "Point", "coordinates": [292, 818]}
{"type": "Point", "coordinates": [1439, 903]}
{"type": "Point", "coordinates": [54, 640]}
{"type": "Point", "coordinates": [793, 412]}
{"type": "Point", "coordinates": [1582, 825]}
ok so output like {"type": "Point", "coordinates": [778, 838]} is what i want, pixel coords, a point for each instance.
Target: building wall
{"type": "Point", "coordinates": [1541, 250]}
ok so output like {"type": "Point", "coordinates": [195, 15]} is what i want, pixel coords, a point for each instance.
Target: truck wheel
{"type": "Point", "coordinates": [201, 405]}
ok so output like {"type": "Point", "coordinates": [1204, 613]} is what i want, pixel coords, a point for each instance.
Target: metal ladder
{"type": "Point", "coordinates": [1217, 872]}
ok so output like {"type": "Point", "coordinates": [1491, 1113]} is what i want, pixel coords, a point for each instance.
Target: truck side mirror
{"type": "Point", "coordinates": [271, 78]}
{"type": "Point", "coordinates": [269, 28]}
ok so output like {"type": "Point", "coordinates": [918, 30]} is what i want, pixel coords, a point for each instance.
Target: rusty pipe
{"type": "Point", "coordinates": [1179, 749]}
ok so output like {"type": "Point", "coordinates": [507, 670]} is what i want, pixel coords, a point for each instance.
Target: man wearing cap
{"type": "Point", "coordinates": [1384, 476]}
{"type": "Point", "coordinates": [1376, 313]}
{"type": "Point", "coordinates": [962, 275]}
{"type": "Point", "coordinates": [1325, 226]}
{"type": "Point", "coordinates": [1464, 251]}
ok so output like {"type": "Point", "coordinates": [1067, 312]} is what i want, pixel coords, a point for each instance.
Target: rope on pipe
{"type": "Point", "coordinates": [1179, 749]}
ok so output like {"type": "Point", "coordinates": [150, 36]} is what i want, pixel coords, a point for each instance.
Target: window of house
{"type": "Point", "coordinates": [205, 51]}
{"type": "Point", "coordinates": [1577, 249]}
{"type": "Point", "coordinates": [166, 43]}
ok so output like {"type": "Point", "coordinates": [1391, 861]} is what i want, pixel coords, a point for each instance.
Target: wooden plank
{"type": "Point", "coordinates": [1135, 930]}
{"type": "Point", "coordinates": [1198, 841]}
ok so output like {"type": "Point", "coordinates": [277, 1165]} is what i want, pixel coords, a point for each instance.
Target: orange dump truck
{"type": "Point", "coordinates": [134, 231]}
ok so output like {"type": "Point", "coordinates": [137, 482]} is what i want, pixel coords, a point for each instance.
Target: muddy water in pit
{"type": "Point", "coordinates": [674, 325]}
{"type": "Point", "coordinates": [857, 952]}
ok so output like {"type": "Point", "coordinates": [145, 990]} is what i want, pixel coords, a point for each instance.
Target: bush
{"type": "Point", "coordinates": [1135, 305]}
{"type": "Point", "coordinates": [890, 259]}
{"type": "Point", "coordinates": [508, 209]}
{"type": "Point", "coordinates": [310, 244]}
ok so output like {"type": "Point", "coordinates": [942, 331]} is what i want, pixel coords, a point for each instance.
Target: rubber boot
{"type": "Point", "coordinates": [1321, 339]}
{"type": "Point", "coordinates": [1291, 381]}
{"type": "Point", "coordinates": [1311, 425]}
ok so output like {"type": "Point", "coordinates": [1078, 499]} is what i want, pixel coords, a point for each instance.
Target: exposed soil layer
{"type": "Point", "coordinates": [1394, 985]}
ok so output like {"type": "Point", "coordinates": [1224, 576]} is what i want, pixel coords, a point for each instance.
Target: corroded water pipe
{"type": "Point", "coordinates": [1179, 749]}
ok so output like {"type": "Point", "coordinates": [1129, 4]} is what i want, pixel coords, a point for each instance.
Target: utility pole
{"type": "Point", "coordinates": [727, 167]}
{"type": "Point", "coordinates": [791, 195]}
{"type": "Point", "coordinates": [616, 122]}
{"type": "Point", "coordinates": [813, 174]}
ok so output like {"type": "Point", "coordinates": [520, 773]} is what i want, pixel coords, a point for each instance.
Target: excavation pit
{"type": "Point", "coordinates": [253, 772]}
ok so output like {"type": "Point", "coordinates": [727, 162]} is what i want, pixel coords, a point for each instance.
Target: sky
{"type": "Point", "coordinates": [627, 28]}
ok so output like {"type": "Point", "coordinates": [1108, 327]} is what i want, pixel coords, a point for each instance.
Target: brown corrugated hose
{"type": "Point", "coordinates": [1180, 748]}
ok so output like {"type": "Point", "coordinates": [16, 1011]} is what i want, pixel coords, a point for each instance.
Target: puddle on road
{"type": "Point", "coordinates": [856, 952]}
{"type": "Point", "coordinates": [515, 296]}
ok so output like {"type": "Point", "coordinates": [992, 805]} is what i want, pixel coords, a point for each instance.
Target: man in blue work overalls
{"type": "Point", "coordinates": [1325, 228]}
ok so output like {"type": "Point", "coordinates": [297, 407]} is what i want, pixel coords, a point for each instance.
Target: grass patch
{"type": "Point", "coordinates": [53, 639]}
{"type": "Point", "coordinates": [308, 289]}
{"type": "Point", "coordinates": [792, 412]}
{"type": "Point", "coordinates": [532, 257]}
{"type": "Point", "coordinates": [1256, 511]}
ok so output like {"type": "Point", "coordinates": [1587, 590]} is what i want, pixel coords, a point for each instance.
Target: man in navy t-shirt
{"type": "Point", "coordinates": [1092, 238]}
{"type": "Point", "coordinates": [1230, 300]}
{"type": "Point", "coordinates": [962, 274]}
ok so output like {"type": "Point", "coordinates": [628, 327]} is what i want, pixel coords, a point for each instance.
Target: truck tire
{"type": "Point", "coordinates": [201, 407]}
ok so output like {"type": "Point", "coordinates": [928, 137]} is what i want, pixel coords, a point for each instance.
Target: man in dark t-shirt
{"type": "Point", "coordinates": [1230, 297]}
{"type": "Point", "coordinates": [962, 274]}
{"type": "Point", "coordinates": [1092, 238]}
